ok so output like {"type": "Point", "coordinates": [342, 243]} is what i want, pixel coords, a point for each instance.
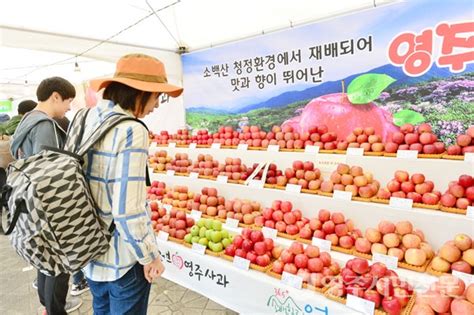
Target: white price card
{"type": "Point", "coordinates": [291, 280]}
{"type": "Point", "coordinates": [390, 261]}
{"type": "Point", "coordinates": [324, 245]}
{"type": "Point", "coordinates": [269, 232]}
{"type": "Point", "coordinates": [343, 195]}
{"type": "Point", "coordinates": [291, 188]}
{"type": "Point", "coordinates": [222, 179]}
{"type": "Point", "coordinates": [311, 149]}
{"type": "Point", "coordinates": [168, 208]}
{"type": "Point", "coordinates": [241, 263]}
{"type": "Point", "coordinates": [195, 214]}
{"type": "Point", "coordinates": [193, 145]}
{"type": "Point", "coordinates": [401, 203]}
{"type": "Point", "coordinates": [256, 184]}
{"type": "Point", "coordinates": [361, 305]}
{"type": "Point", "coordinates": [172, 145]}
{"type": "Point", "coordinates": [469, 157]}
{"type": "Point", "coordinates": [170, 173]}
{"type": "Point", "coordinates": [198, 248]}
{"type": "Point", "coordinates": [470, 212]}
{"type": "Point", "coordinates": [215, 146]}
{"type": "Point", "coordinates": [162, 235]}
{"type": "Point", "coordinates": [467, 278]}
{"type": "Point", "coordinates": [407, 154]}
{"type": "Point", "coordinates": [232, 223]}
{"type": "Point", "coordinates": [194, 175]}
{"type": "Point", "coordinates": [243, 147]}
{"type": "Point", "coordinates": [273, 148]}
{"type": "Point", "coordinates": [355, 151]}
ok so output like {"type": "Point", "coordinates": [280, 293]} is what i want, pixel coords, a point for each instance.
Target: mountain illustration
{"type": "Point", "coordinates": [288, 307]}
{"type": "Point", "coordinates": [334, 87]}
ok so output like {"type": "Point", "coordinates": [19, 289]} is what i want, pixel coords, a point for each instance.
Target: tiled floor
{"type": "Point", "coordinates": [17, 296]}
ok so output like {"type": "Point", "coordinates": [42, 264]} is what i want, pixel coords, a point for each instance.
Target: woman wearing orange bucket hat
{"type": "Point", "coordinates": [115, 167]}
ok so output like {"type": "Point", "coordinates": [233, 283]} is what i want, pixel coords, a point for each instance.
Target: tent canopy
{"type": "Point", "coordinates": [44, 38]}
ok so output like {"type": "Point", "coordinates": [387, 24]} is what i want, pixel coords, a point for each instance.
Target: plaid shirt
{"type": "Point", "coordinates": [115, 169]}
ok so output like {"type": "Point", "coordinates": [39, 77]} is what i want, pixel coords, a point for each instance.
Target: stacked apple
{"type": "Point", "coordinates": [162, 138]}
{"type": "Point", "coordinates": [363, 138]}
{"type": "Point", "coordinates": [251, 245]}
{"type": "Point", "coordinates": [176, 223]}
{"type": "Point", "coordinates": [159, 160]}
{"type": "Point", "coordinates": [244, 211]}
{"type": "Point", "coordinates": [225, 135]}
{"type": "Point", "coordinates": [399, 240]}
{"type": "Point", "coordinates": [209, 233]}
{"type": "Point", "coordinates": [178, 197]}
{"type": "Point", "coordinates": [208, 202]}
{"type": "Point", "coordinates": [315, 267]}
{"type": "Point", "coordinates": [156, 191]}
{"type": "Point", "coordinates": [422, 140]}
{"type": "Point", "coordinates": [202, 138]}
{"type": "Point", "coordinates": [464, 143]}
{"type": "Point", "coordinates": [374, 283]}
{"type": "Point", "coordinates": [272, 174]}
{"type": "Point", "coordinates": [205, 165]}
{"type": "Point", "coordinates": [455, 255]}
{"type": "Point", "coordinates": [352, 179]}
{"type": "Point", "coordinates": [448, 295]}
{"type": "Point", "coordinates": [415, 187]}
{"type": "Point", "coordinates": [233, 169]}
{"type": "Point", "coordinates": [180, 163]}
{"type": "Point", "coordinates": [460, 193]}
{"type": "Point", "coordinates": [332, 227]}
{"type": "Point", "coordinates": [303, 174]}
{"type": "Point", "coordinates": [282, 218]}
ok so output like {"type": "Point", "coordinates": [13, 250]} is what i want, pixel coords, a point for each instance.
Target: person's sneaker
{"type": "Point", "coordinates": [35, 284]}
{"type": "Point", "coordinates": [81, 287]}
{"type": "Point", "coordinates": [72, 304]}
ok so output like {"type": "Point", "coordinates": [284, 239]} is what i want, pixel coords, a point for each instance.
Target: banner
{"type": "Point", "coordinates": [405, 62]}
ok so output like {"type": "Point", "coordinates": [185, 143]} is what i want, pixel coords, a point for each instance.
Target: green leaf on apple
{"type": "Point", "coordinates": [407, 116]}
{"type": "Point", "coordinates": [367, 87]}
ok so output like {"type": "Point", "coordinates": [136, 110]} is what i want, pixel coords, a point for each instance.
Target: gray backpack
{"type": "Point", "coordinates": [52, 219]}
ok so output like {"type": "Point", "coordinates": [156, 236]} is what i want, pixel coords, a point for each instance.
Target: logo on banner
{"type": "Point", "coordinates": [178, 261]}
{"type": "Point", "coordinates": [281, 302]}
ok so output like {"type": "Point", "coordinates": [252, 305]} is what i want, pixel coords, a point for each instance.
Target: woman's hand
{"type": "Point", "coordinates": [153, 270]}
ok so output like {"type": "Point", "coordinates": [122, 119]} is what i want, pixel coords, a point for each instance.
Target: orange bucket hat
{"type": "Point", "coordinates": [141, 72]}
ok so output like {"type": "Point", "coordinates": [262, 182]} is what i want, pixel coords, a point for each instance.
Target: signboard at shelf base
{"type": "Point", "coordinates": [244, 291]}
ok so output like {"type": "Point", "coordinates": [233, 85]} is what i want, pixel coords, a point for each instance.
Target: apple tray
{"type": "Point", "coordinates": [309, 191]}
{"type": "Point", "coordinates": [401, 264]}
{"type": "Point", "coordinates": [326, 194]}
{"type": "Point", "coordinates": [453, 210]}
{"type": "Point", "coordinates": [379, 311]}
{"type": "Point", "coordinates": [252, 266]}
{"type": "Point", "coordinates": [202, 146]}
{"type": "Point", "coordinates": [208, 251]}
{"type": "Point", "coordinates": [256, 148]}
{"type": "Point", "coordinates": [371, 153]}
{"type": "Point", "coordinates": [425, 206]}
{"type": "Point", "coordinates": [207, 177]}
{"type": "Point", "coordinates": [390, 154]}
{"type": "Point", "coordinates": [181, 174]}
{"type": "Point", "coordinates": [433, 272]}
{"type": "Point", "coordinates": [233, 181]}
{"type": "Point", "coordinates": [247, 226]}
{"type": "Point", "coordinates": [430, 156]}
{"type": "Point", "coordinates": [339, 151]}
{"type": "Point", "coordinates": [362, 199]}
{"type": "Point", "coordinates": [229, 147]}
{"type": "Point", "coordinates": [175, 240]}
{"type": "Point", "coordinates": [159, 172]}
{"type": "Point", "coordinates": [279, 187]}
{"type": "Point", "coordinates": [453, 157]}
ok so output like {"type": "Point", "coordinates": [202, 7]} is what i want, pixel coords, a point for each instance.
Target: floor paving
{"type": "Point", "coordinates": [18, 297]}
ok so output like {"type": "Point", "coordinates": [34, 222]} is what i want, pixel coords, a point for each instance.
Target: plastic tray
{"type": "Point", "coordinates": [425, 206]}
{"type": "Point", "coordinates": [453, 210]}
{"type": "Point", "coordinates": [378, 200]}
{"type": "Point", "coordinates": [453, 157]}
{"type": "Point", "coordinates": [308, 191]}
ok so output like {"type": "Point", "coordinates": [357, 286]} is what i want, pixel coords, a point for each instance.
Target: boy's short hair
{"type": "Point", "coordinates": [126, 96]}
{"type": "Point", "coordinates": [26, 106]}
{"type": "Point", "coordinates": [55, 84]}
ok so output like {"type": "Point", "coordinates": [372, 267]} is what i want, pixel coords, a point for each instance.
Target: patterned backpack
{"type": "Point", "coordinates": [52, 217]}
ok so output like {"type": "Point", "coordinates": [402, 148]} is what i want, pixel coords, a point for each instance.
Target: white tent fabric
{"type": "Point", "coordinates": [45, 38]}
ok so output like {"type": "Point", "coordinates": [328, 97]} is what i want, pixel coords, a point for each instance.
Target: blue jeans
{"type": "Point", "coordinates": [127, 295]}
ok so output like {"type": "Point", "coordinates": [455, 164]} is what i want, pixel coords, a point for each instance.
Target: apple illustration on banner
{"type": "Point", "coordinates": [343, 112]}
{"type": "Point", "coordinates": [177, 261]}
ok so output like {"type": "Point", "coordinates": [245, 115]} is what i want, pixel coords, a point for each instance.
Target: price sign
{"type": "Point", "coordinates": [256, 184]}
{"type": "Point", "coordinates": [407, 154]}
{"type": "Point", "coordinates": [170, 173]}
{"type": "Point", "coordinates": [232, 223]}
{"type": "Point", "coordinates": [343, 195]}
{"type": "Point", "coordinates": [401, 203]}
{"type": "Point", "coordinates": [194, 175]}
{"type": "Point", "coordinates": [355, 151]}
{"type": "Point", "coordinates": [361, 305]}
{"type": "Point", "coordinates": [193, 145]}
{"type": "Point", "coordinates": [273, 148]}
{"type": "Point", "coordinates": [269, 233]}
{"type": "Point", "coordinates": [324, 245]}
{"type": "Point", "coordinates": [215, 146]}
{"type": "Point", "coordinates": [469, 157]}
{"type": "Point", "coordinates": [222, 179]}
{"type": "Point", "coordinates": [470, 212]}
{"type": "Point", "coordinates": [198, 248]}
{"type": "Point", "coordinates": [291, 188]}
{"type": "Point", "coordinates": [465, 277]}
{"type": "Point", "coordinates": [196, 215]}
{"type": "Point", "coordinates": [241, 263]}
{"type": "Point", "coordinates": [311, 149]}
{"type": "Point", "coordinates": [172, 145]}
{"type": "Point", "coordinates": [168, 208]}
{"type": "Point", "coordinates": [390, 261]}
{"type": "Point", "coordinates": [243, 147]}
{"type": "Point", "coordinates": [163, 235]}
{"type": "Point", "coordinates": [291, 280]}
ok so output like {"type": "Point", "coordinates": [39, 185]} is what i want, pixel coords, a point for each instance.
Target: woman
{"type": "Point", "coordinates": [120, 280]}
